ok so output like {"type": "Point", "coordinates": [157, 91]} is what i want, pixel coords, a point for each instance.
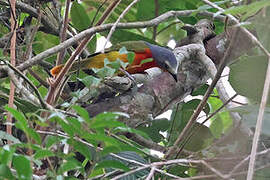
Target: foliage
{"type": "Point", "coordinates": [98, 146]}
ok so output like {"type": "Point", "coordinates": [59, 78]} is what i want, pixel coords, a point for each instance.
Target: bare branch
{"type": "Point", "coordinates": [13, 62]}
{"type": "Point", "coordinates": [63, 34]}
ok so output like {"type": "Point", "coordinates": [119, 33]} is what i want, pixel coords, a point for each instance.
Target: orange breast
{"type": "Point", "coordinates": [137, 66]}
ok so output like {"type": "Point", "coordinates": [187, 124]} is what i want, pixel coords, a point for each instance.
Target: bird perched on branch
{"type": "Point", "coordinates": [197, 34]}
{"type": "Point", "coordinates": [201, 32]}
{"type": "Point", "coordinates": [161, 57]}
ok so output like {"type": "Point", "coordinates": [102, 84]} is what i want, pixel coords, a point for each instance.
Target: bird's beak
{"type": "Point", "coordinates": [174, 71]}
{"type": "Point", "coordinates": [190, 29]}
{"type": "Point", "coordinates": [174, 76]}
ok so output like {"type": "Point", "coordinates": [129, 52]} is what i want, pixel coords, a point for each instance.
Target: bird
{"type": "Point", "coordinates": [162, 57]}
{"type": "Point", "coordinates": [201, 32]}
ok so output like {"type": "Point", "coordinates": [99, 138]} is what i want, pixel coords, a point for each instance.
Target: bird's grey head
{"type": "Point", "coordinates": [165, 59]}
{"type": "Point", "coordinates": [203, 30]}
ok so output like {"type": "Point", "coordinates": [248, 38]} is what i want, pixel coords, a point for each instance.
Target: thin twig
{"type": "Point", "coordinates": [167, 27]}
{"type": "Point", "coordinates": [108, 11]}
{"type": "Point", "coordinates": [43, 104]}
{"type": "Point", "coordinates": [196, 128]}
{"type": "Point", "coordinates": [38, 78]}
{"type": "Point", "coordinates": [21, 89]}
{"type": "Point", "coordinates": [117, 21]}
{"type": "Point", "coordinates": [13, 61]}
{"type": "Point", "coordinates": [99, 8]}
{"type": "Point", "coordinates": [156, 15]}
{"type": "Point", "coordinates": [35, 29]}
{"type": "Point", "coordinates": [259, 123]}
{"type": "Point", "coordinates": [211, 168]}
{"type": "Point", "coordinates": [151, 174]}
{"type": "Point", "coordinates": [241, 163]}
{"type": "Point", "coordinates": [63, 34]}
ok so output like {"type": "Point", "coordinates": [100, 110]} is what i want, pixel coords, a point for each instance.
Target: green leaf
{"type": "Point", "coordinates": [33, 134]}
{"type": "Point", "coordinates": [157, 126]}
{"type": "Point", "coordinates": [66, 127]}
{"type": "Point", "coordinates": [250, 8]}
{"type": "Point", "coordinates": [71, 164]}
{"type": "Point", "coordinates": [105, 72]}
{"type": "Point", "coordinates": [130, 156]}
{"type": "Point", "coordinates": [201, 90]}
{"type": "Point", "coordinates": [250, 115]}
{"type": "Point", "coordinates": [6, 154]}
{"type": "Point", "coordinates": [83, 149]}
{"type": "Point", "coordinates": [222, 121]}
{"type": "Point", "coordinates": [247, 70]}
{"type": "Point", "coordinates": [106, 120]}
{"type": "Point", "coordinates": [179, 171]}
{"type": "Point", "coordinates": [121, 35]}
{"type": "Point", "coordinates": [146, 8]}
{"type": "Point", "coordinates": [130, 57]}
{"type": "Point", "coordinates": [5, 172]}
{"type": "Point", "coordinates": [131, 130]}
{"type": "Point", "coordinates": [123, 50]}
{"type": "Point", "coordinates": [22, 122]}
{"type": "Point", "coordinates": [201, 138]}
{"type": "Point", "coordinates": [170, 29]}
{"type": "Point", "coordinates": [45, 41]}
{"type": "Point", "coordinates": [76, 124]}
{"type": "Point", "coordinates": [109, 141]}
{"type": "Point", "coordinates": [110, 149]}
{"type": "Point", "coordinates": [92, 44]}
{"type": "Point", "coordinates": [82, 112]}
{"type": "Point", "coordinates": [112, 164]}
{"type": "Point", "coordinates": [25, 105]}
{"type": "Point", "coordinates": [22, 166]}
{"type": "Point", "coordinates": [90, 81]}
{"type": "Point", "coordinates": [146, 60]}
{"type": "Point", "coordinates": [206, 7]}
{"type": "Point", "coordinates": [79, 17]}
{"type": "Point", "coordinates": [180, 116]}
{"type": "Point", "coordinates": [96, 172]}
{"type": "Point", "coordinates": [40, 154]}
{"type": "Point", "coordinates": [51, 140]}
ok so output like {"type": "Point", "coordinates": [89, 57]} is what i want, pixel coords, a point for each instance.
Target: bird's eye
{"type": "Point", "coordinates": [166, 66]}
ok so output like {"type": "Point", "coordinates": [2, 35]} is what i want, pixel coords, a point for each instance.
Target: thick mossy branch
{"type": "Point", "coordinates": [160, 92]}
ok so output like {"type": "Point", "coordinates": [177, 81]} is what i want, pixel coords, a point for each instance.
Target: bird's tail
{"type": "Point", "coordinates": [56, 70]}
{"type": "Point", "coordinates": [93, 61]}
